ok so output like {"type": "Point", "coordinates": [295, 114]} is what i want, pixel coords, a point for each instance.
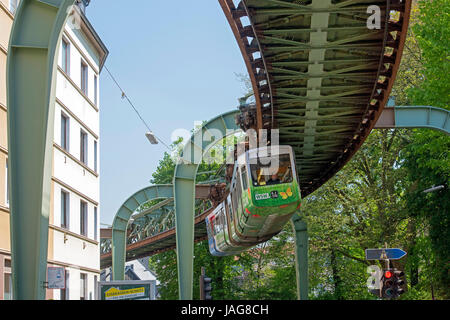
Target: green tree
{"type": "Point", "coordinates": [427, 156]}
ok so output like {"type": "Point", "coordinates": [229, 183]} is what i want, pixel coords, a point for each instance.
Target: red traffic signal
{"type": "Point", "coordinates": [387, 274]}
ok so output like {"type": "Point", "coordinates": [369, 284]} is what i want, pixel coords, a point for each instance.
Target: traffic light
{"type": "Point", "coordinates": [392, 283]}
{"type": "Point", "coordinates": [399, 282]}
{"type": "Point", "coordinates": [207, 288]}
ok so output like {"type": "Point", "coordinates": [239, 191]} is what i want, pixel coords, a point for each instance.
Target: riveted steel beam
{"type": "Point", "coordinates": [415, 117]}
{"type": "Point", "coordinates": [31, 66]}
{"type": "Point", "coordinates": [183, 183]}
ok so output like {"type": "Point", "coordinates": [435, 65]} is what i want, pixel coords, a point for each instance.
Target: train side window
{"type": "Point", "coordinates": [230, 211]}
{"type": "Point", "coordinates": [244, 178]}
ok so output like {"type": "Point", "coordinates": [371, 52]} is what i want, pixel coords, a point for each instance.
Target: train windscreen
{"type": "Point", "coordinates": [271, 170]}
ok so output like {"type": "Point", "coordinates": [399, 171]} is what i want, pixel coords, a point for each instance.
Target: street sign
{"type": "Point", "coordinates": [56, 278]}
{"type": "Point", "coordinates": [385, 254]}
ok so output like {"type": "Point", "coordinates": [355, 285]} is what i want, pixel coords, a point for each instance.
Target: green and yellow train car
{"type": "Point", "coordinates": [264, 194]}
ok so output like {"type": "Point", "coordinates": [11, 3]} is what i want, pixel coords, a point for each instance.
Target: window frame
{"type": "Point", "coordinates": [6, 184]}
{"type": "Point", "coordinates": [83, 286]}
{"type": "Point", "coordinates": [95, 223]}
{"type": "Point", "coordinates": [96, 156]}
{"type": "Point", "coordinates": [65, 55]}
{"type": "Point", "coordinates": [64, 293]}
{"type": "Point", "coordinates": [84, 146]}
{"type": "Point", "coordinates": [84, 79]}
{"type": "Point", "coordinates": [65, 214]}
{"type": "Point", "coordinates": [96, 89]}
{"type": "Point", "coordinates": [83, 218]}
{"type": "Point", "coordinates": [65, 131]}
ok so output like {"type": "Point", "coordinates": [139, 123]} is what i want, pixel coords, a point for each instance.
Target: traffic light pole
{"type": "Point", "coordinates": [202, 284]}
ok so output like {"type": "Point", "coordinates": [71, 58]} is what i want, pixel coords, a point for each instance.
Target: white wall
{"type": "Point", "coordinates": [69, 249]}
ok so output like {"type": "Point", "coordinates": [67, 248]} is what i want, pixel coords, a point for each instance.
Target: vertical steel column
{"type": "Point", "coordinates": [184, 193]}
{"type": "Point", "coordinates": [31, 69]}
{"type": "Point", "coordinates": [301, 256]}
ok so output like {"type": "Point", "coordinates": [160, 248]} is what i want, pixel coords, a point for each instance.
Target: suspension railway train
{"type": "Point", "coordinates": [264, 194]}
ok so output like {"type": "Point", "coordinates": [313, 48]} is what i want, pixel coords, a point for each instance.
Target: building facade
{"type": "Point", "coordinates": [74, 226]}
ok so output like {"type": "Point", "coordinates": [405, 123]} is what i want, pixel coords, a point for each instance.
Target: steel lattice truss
{"type": "Point", "coordinates": [151, 222]}
{"type": "Point", "coordinates": [319, 74]}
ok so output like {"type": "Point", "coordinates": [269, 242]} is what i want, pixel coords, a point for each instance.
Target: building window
{"type": "Point", "coordinates": [65, 209]}
{"type": "Point", "coordinates": [95, 287]}
{"type": "Point", "coordinates": [64, 293]}
{"type": "Point", "coordinates": [7, 284]}
{"type": "Point", "coordinates": [95, 223]}
{"type": "Point", "coordinates": [7, 288]}
{"type": "Point", "coordinates": [83, 218]}
{"type": "Point", "coordinates": [95, 155]}
{"type": "Point", "coordinates": [95, 89]}
{"type": "Point", "coordinates": [83, 147]}
{"type": "Point", "coordinates": [66, 56]}
{"type": "Point", "coordinates": [65, 125]}
{"type": "Point", "coordinates": [83, 286]}
{"type": "Point", "coordinates": [6, 185]}
{"type": "Point", "coordinates": [13, 5]}
{"type": "Point", "coordinates": [84, 78]}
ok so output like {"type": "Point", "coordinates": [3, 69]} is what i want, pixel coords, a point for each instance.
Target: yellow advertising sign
{"type": "Point", "coordinates": [116, 294]}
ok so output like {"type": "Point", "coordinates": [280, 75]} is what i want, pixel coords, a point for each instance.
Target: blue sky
{"type": "Point", "coordinates": [177, 61]}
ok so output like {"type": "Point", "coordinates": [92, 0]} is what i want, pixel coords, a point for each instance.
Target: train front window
{"type": "Point", "coordinates": [271, 170]}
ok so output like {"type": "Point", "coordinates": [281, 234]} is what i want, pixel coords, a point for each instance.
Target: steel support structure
{"type": "Point", "coordinates": [201, 141]}
{"type": "Point", "coordinates": [121, 219]}
{"type": "Point", "coordinates": [415, 117]}
{"type": "Point", "coordinates": [301, 255]}
{"type": "Point", "coordinates": [31, 69]}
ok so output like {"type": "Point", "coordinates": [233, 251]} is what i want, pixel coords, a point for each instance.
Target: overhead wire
{"type": "Point", "coordinates": [125, 96]}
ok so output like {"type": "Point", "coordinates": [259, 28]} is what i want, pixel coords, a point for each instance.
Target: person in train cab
{"type": "Point", "coordinates": [274, 180]}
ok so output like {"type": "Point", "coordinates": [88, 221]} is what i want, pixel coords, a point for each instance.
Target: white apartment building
{"type": "Point", "coordinates": [74, 227]}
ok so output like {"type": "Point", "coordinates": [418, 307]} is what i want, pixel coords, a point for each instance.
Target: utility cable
{"type": "Point", "coordinates": [124, 96]}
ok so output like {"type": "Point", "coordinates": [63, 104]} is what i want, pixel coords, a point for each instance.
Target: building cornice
{"type": "Point", "coordinates": [8, 13]}
{"type": "Point", "coordinates": [72, 41]}
{"type": "Point", "coordinates": [73, 266]}
{"type": "Point", "coordinates": [73, 234]}
{"type": "Point", "coordinates": [81, 195]}
{"type": "Point", "coordinates": [81, 164]}
{"type": "Point", "coordinates": [67, 110]}
{"type": "Point", "coordinates": [4, 209]}
{"type": "Point", "coordinates": [3, 49]}
{"type": "Point", "coordinates": [77, 88]}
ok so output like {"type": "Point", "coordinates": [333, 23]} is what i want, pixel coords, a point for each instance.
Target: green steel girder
{"type": "Point", "coordinates": [415, 117]}
{"type": "Point", "coordinates": [184, 184]}
{"type": "Point", "coordinates": [122, 218]}
{"type": "Point", "coordinates": [31, 68]}
{"type": "Point", "coordinates": [301, 255]}
{"type": "Point", "coordinates": [315, 55]}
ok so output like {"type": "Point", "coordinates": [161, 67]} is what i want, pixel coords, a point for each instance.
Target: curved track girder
{"type": "Point", "coordinates": [321, 73]}
{"type": "Point", "coordinates": [184, 183]}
